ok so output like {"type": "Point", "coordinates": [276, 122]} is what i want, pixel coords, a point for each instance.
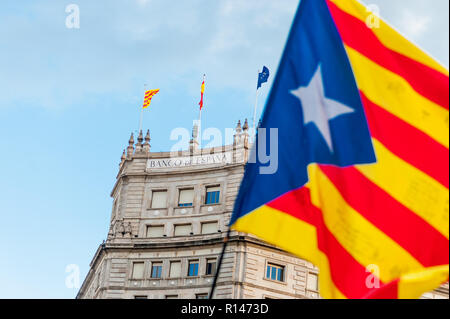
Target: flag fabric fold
{"type": "Point", "coordinates": [263, 77]}
{"type": "Point", "coordinates": [202, 90]}
{"type": "Point", "coordinates": [361, 188]}
{"type": "Point", "coordinates": [148, 97]}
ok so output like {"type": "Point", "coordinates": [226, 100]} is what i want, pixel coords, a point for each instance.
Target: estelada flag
{"type": "Point", "coordinates": [361, 186]}
{"type": "Point", "coordinates": [148, 97]}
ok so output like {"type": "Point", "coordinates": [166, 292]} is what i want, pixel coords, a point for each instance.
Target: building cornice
{"type": "Point", "coordinates": [174, 172]}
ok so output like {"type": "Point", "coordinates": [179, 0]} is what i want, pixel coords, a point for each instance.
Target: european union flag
{"type": "Point", "coordinates": [263, 76]}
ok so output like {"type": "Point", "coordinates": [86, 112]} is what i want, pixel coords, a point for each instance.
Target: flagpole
{"type": "Point", "coordinates": [199, 138]}
{"type": "Point", "coordinates": [216, 276]}
{"type": "Point", "coordinates": [200, 119]}
{"type": "Point", "coordinates": [254, 109]}
{"type": "Point", "coordinates": [140, 119]}
{"type": "Point", "coordinates": [142, 114]}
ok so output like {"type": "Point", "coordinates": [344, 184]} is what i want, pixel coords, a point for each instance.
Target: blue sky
{"type": "Point", "coordinates": [69, 99]}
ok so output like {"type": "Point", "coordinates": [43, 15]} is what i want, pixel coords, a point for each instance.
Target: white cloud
{"type": "Point", "coordinates": [157, 41]}
{"type": "Point", "coordinates": [119, 44]}
{"type": "Point", "coordinates": [143, 2]}
{"type": "Point", "coordinates": [426, 23]}
{"type": "Point", "coordinates": [414, 24]}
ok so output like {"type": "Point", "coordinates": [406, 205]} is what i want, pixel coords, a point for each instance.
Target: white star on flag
{"type": "Point", "coordinates": [317, 108]}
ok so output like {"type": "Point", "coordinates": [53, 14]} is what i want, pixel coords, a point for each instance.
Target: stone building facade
{"type": "Point", "coordinates": [168, 223]}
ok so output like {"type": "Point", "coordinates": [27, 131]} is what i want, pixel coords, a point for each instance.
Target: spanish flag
{"type": "Point", "coordinates": [202, 90]}
{"type": "Point", "coordinates": [362, 174]}
{"type": "Point", "coordinates": [148, 97]}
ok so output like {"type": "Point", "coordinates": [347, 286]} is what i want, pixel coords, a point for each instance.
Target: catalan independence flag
{"type": "Point", "coordinates": [148, 97]}
{"type": "Point", "coordinates": [361, 185]}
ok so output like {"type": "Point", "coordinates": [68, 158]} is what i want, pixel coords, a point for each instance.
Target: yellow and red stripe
{"type": "Point", "coordinates": [202, 90]}
{"type": "Point", "coordinates": [148, 97]}
{"type": "Point", "coordinates": [346, 219]}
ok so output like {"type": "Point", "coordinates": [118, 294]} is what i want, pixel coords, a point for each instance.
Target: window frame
{"type": "Point", "coordinates": [158, 225]}
{"type": "Point", "coordinates": [155, 264]}
{"type": "Point", "coordinates": [170, 268]}
{"type": "Point", "coordinates": [189, 267]}
{"type": "Point", "coordinates": [184, 205]}
{"type": "Point", "coordinates": [216, 222]}
{"type": "Point", "coordinates": [132, 274]}
{"type": "Point", "coordinates": [178, 225]}
{"type": "Point", "coordinates": [206, 194]}
{"type": "Point", "coordinates": [310, 273]}
{"type": "Point", "coordinates": [278, 267]}
{"type": "Point", "coordinates": [159, 191]}
{"type": "Point", "coordinates": [206, 266]}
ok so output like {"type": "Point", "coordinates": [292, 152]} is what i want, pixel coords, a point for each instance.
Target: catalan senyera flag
{"type": "Point", "coordinates": [202, 90]}
{"type": "Point", "coordinates": [148, 97]}
{"type": "Point", "coordinates": [361, 185]}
